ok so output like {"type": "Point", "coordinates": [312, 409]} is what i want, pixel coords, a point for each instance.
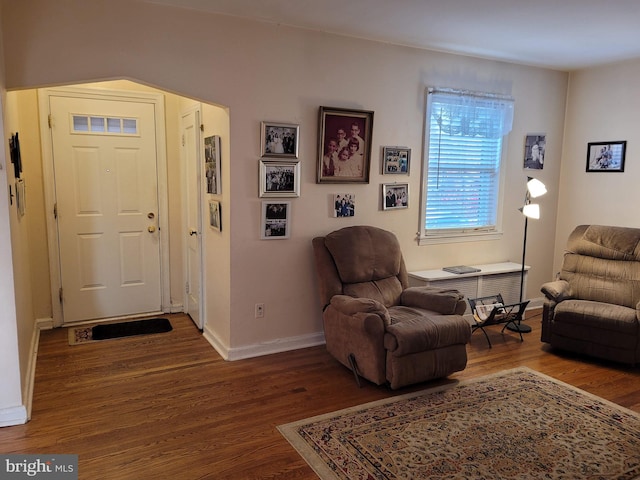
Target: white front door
{"type": "Point", "coordinates": [191, 141]}
{"type": "Point", "coordinates": [106, 188]}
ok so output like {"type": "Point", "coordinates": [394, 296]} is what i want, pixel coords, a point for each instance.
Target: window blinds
{"type": "Point", "coordinates": [465, 136]}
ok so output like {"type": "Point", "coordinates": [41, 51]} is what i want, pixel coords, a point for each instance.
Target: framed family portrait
{"type": "Point", "coordinates": [395, 196]}
{"type": "Point", "coordinates": [279, 179]}
{"type": "Point", "coordinates": [344, 145]}
{"type": "Point", "coordinates": [275, 224]}
{"type": "Point", "coordinates": [344, 205]}
{"type": "Point", "coordinates": [212, 164]}
{"type": "Point", "coordinates": [606, 156]}
{"type": "Point", "coordinates": [215, 217]}
{"type": "Point", "coordinates": [279, 140]}
{"type": "Point", "coordinates": [396, 160]}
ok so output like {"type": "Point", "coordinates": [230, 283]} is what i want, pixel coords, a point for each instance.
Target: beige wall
{"type": "Point", "coordinates": [603, 105]}
{"type": "Point", "coordinates": [276, 73]}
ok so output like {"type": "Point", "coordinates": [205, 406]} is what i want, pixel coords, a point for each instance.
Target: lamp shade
{"type": "Point", "coordinates": [536, 188]}
{"type": "Point", "coordinates": [531, 210]}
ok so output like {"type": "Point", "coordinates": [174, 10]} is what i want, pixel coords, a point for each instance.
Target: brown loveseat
{"type": "Point", "coordinates": [594, 306]}
{"type": "Point", "coordinates": [392, 333]}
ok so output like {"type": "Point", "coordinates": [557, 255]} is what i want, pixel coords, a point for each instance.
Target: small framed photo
{"type": "Point", "coordinates": [215, 215]}
{"type": "Point", "coordinates": [606, 156]}
{"type": "Point", "coordinates": [395, 196]}
{"type": "Point", "coordinates": [212, 164]}
{"type": "Point", "coordinates": [344, 205]}
{"type": "Point", "coordinates": [279, 140]}
{"type": "Point", "coordinates": [534, 150]}
{"type": "Point", "coordinates": [279, 179]}
{"type": "Point", "coordinates": [344, 145]}
{"type": "Point", "coordinates": [275, 220]}
{"type": "Point", "coordinates": [396, 160]}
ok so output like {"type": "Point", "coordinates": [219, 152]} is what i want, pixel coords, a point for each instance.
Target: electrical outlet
{"type": "Point", "coordinates": [259, 310]}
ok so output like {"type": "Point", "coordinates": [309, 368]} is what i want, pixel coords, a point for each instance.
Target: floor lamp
{"type": "Point", "coordinates": [535, 188]}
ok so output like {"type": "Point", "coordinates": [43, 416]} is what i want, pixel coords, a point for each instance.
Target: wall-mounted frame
{"type": "Point", "coordinates": [535, 146]}
{"type": "Point", "coordinates": [344, 205]}
{"type": "Point", "coordinates": [395, 196]}
{"type": "Point", "coordinates": [606, 156]}
{"type": "Point", "coordinates": [215, 215]}
{"type": "Point", "coordinates": [344, 145]}
{"type": "Point", "coordinates": [212, 162]}
{"type": "Point", "coordinates": [396, 160]}
{"type": "Point", "coordinates": [276, 220]}
{"type": "Point", "coordinates": [279, 179]}
{"type": "Point", "coordinates": [279, 140]}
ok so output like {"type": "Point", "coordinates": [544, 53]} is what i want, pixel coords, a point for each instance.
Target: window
{"type": "Point", "coordinates": [104, 125]}
{"type": "Point", "coordinates": [463, 155]}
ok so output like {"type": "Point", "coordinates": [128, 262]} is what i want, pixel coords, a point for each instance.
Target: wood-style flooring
{"type": "Point", "coordinates": [167, 406]}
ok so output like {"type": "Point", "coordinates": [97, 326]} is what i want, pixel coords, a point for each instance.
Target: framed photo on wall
{"type": "Point", "coordinates": [279, 179]}
{"type": "Point", "coordinates": [279, 140]}
{"type": "Point", "coordinates": [534, 150]}
{"type": "Point", "coordinates": [344, 205]}
{"type": "Point", "coordinates": [212, 164]}
{"type": "Point", "coordinates": [606, 156]}
{"type": "Point", "coordinates": [275, 224]}
{"type": "Point", "coordinates": [344, 145]}
{"type": "Point", "coordinates": [395, 196]}
{"type": "Point", "coordinates": [396, 160]}
{"type": "Point", "coordinates": [215, 215]}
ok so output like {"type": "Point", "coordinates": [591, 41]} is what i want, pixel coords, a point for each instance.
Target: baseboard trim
{"type": "Point", "coordinates": [261, 349]}
{"type": "Point", "coordinates": [12, 416]}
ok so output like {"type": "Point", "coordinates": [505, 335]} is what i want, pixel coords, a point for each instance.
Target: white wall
{"type": "Point", "coordinates": [276, 73]}
{"type": "Point", "coordinates": [603, 105]}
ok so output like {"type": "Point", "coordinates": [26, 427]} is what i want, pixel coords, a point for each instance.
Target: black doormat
{"type": "Point", "coordinates": [128, 329]}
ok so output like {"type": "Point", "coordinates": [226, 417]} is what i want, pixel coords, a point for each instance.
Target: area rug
{"type": "Point", "coordinates": [106, 331]}
{"type": "Point", "coordinates": [517, 424]}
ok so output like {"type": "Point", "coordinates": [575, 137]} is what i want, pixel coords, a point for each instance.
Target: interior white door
{"type": "Point", "coordinates": [191, 140]}
{"type": "Point", "coordinates": [104, 156]}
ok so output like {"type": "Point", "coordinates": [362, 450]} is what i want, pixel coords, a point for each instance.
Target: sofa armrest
{"type": "Point", "coordinates": [557, 290]}
{"type": "Point", "coordinates": [445, 301]}
{"type": "Point", "coordinates": [352, 306]}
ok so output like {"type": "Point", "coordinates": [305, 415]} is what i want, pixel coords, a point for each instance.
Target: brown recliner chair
{"type": "Point", "coordinates": [374, 323]}
{"type": "Point", "coordinates": [594, 306]}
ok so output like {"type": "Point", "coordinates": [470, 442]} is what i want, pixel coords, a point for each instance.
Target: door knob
{"type": "Point", "coordinates": [193, 232]}
{"type": "Point", "coordinates": [151, 228]}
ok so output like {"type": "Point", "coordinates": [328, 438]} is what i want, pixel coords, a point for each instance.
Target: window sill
{"type": "Point", "coordinates": [459, 238]}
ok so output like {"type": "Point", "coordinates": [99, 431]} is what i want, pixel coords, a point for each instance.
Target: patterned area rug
{"type": "Point", "coordinates": [515, 424]}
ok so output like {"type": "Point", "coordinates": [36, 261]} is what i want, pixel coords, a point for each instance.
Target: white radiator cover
{"type": "Point", "coordinates": [502, 278]}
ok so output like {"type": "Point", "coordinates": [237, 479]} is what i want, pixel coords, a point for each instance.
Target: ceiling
{"type": "Point", "coordinates": [558, 34]}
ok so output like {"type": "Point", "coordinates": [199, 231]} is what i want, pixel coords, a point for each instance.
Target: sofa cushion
{"type": "Point", "coordinates": [415, 330]}
{"type": "Point", "coordinates": [386, 291]}
{"type": "Point", "coordinates": [597, 322]}
{"type": "Point", "coordinates": [364, 254]}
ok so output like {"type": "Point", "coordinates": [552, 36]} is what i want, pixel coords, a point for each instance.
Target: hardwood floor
{"type": "Point", "coordinates": [167, 406]}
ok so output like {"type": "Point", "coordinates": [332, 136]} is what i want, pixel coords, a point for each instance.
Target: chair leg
{"type": "Point", "coordinates": [354, 368]}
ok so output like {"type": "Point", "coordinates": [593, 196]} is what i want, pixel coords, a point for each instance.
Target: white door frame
{"type": "Point", "coordinates": [156, 99]}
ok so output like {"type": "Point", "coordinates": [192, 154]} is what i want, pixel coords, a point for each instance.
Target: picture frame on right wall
{"type": "Point", "coordinates": [606, 156]}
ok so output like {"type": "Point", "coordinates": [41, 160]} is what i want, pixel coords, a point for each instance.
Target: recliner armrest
{"type": "Point", "coordinates": [436, 299]}
{"type": "Point", "coordinates": [557, 290]}
{"type": "Point", "coordinates": [351, 306]}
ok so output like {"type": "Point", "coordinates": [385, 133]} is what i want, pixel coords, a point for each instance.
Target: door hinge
{"type": "Point", "coordinates": [49, 120]}
{"type": "Point", "coordinates": [186, 287]}
{"type": "Point", "coordinates": [60, 296]}
{"type": "Point", "coordinates": [183, 140]}
{"type": "Point", "coordinates": [202, 127]}
{"type": "Point", "coordinates": [55, 210]}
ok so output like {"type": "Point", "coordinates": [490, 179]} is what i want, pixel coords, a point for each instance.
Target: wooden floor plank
{"type": "Point", "coordinates": [168, 406]}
